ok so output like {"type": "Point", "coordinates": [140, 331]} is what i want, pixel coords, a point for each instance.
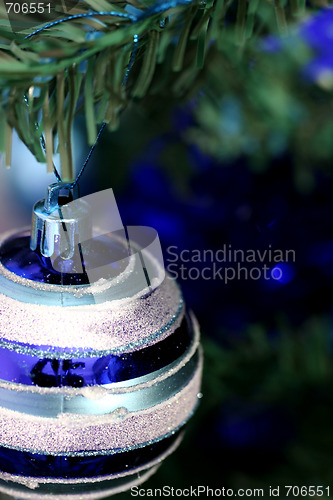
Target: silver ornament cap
{"type": "Point", "coordinates": [59, 223]}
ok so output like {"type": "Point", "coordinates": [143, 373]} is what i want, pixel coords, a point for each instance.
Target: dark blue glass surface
{"type": "Point", "coordinates": [35, 465]}
{"type": "Point", "coordinates": [79, 372]}
{"type": "Point", "coordinates": [17, 257]}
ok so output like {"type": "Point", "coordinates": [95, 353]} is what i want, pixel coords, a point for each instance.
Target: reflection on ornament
{"type": "Point", "coordinates": [100, 362]}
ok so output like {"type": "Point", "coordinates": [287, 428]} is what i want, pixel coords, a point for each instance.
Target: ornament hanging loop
{"type": "Point", "coordinates": [53, 199]}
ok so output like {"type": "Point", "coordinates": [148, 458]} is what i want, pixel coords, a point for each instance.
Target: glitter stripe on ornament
{"type": "Point", "coordinates": [110, 328]}
{"type": "Point", "coordinates": [56, 353]}
{"type": "Point", "coordinates": [103, 453]}
{"type": "Point", "coordinates": [73, 435]}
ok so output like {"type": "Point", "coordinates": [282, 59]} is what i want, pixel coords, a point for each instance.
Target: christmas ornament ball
{"type": "Point", "coordinates": [97, 378]}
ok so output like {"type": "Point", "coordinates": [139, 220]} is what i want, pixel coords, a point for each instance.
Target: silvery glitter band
{"type": "Point", "coordinates": [121, 429]}
{"type": "Point", "coordinates": [112, 327]}
{"type": "Point", "coordinates": [55, 353]}
{"type": "Point", "coordinates": [113, 451]}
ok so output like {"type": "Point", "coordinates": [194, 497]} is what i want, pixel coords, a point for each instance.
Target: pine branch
{"type": "Point", "coordinates": [176, 36]}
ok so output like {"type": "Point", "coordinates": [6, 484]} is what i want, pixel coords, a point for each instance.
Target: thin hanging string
{"type": "Point", "coordinates": [155, 9]}
{"type": "Point", "coordinates": [132, 59]}
{"type": "Point", "coordinates": [89, 156]}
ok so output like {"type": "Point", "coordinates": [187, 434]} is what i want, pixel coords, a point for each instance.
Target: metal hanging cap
{"type": "Point", "coordinates": [59, 223]}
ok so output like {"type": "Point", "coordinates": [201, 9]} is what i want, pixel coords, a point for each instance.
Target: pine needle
{"type": "Point", "coordinates": [48, 134]}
